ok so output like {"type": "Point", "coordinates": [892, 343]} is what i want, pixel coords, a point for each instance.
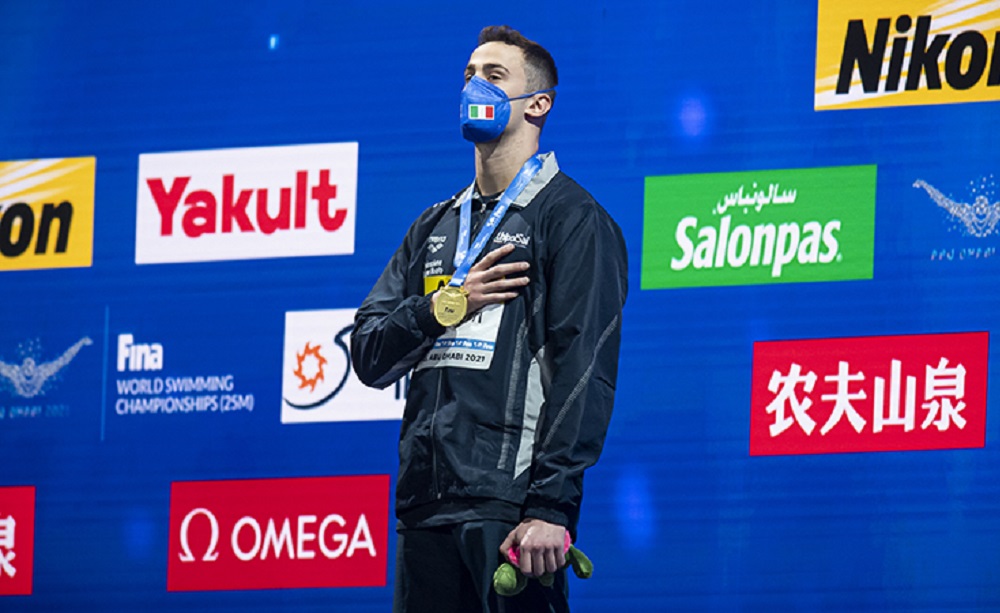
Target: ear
{"type": "Point", "coordinates": [538, 106]}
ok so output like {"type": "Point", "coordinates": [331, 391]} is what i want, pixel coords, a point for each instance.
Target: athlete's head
{"type": "Point", "coordinates": [518, 66]}
{"type": "Point", "coordinates": [539, 67]}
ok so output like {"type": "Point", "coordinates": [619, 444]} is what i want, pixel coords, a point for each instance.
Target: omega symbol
{"type": "Point", "coordinates": [211, 554]}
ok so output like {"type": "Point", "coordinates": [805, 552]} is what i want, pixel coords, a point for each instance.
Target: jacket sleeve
{"type": "Point", "coordinates": [393, 328]}
{"type": "Point", "coordinates": [587, 286]}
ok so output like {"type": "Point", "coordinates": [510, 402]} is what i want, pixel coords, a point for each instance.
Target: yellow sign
{"type": "Point", "coordinates": [880, 53]}
{"type": "Point", "coordinates": [47, 213]}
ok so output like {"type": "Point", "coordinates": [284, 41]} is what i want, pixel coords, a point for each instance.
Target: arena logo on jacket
{"type": "Point", "coordinates": [238, 204]}
{"type": "Point", "coordinates": [17, 540]}
{"type": "Point", "coordinates": [47, 213]}
{"type": "Point", "coordinates": [317, 381]}
{"type": "Point", "coordinates": [278, 533]}
{"type": "Point", "coordinates": [899, 52]}
{"type": "Point", "coordinates": [759, 227]}
{"type": "Point", "coordinates": [879, 393]}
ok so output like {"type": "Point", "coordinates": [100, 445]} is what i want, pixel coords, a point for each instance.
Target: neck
{"type": "Point", "coordinates": [497, 162]}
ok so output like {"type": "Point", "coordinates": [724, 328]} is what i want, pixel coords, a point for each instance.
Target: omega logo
{"type": "Point", "coordinates": [279, 539]}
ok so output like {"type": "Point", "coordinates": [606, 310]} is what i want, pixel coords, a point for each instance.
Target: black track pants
{"type": "Point", "coordinates": [449, 569]}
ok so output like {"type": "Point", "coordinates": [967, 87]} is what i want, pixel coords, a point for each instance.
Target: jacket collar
{"type": "Point", "coordinates": [550, 167]}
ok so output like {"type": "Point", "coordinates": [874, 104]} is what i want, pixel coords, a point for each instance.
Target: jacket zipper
{"type": "Point", "coordinates": [434, 477]}
{"type": "Point", "coordinates": [435, 487]}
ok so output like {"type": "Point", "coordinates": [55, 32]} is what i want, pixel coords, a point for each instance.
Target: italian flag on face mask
{"type": "Point", "coordinates": [480, 111]}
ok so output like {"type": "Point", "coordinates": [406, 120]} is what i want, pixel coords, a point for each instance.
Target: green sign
{"type": "Point", "coordinates": [752, 228]}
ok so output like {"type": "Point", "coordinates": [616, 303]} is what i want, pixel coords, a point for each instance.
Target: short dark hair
{"type": "Point", "coordinates": [540, 68]}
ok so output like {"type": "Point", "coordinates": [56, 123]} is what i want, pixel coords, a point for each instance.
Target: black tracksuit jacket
{"type": "Point", "coordinates": [518, 435]}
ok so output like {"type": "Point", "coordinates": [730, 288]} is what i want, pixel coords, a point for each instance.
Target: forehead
{"type": "Point", "coordinates": [508, 56]}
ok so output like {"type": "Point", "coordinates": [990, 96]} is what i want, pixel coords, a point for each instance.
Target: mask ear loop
{"type": "Point", "coordinates": [541, 91]}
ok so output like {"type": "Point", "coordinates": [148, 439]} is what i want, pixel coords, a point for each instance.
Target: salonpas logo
{"type": "Point", "coordinates": [876, 53]}
{"type": "Point", "coordinates": [750, 228]}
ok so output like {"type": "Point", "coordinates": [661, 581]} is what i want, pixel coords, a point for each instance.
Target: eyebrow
{"type": "Point", "coordinates": [487, 67]}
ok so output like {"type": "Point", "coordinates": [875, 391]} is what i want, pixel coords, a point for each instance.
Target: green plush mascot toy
{"type": "Point", "coordinates": [508, 580]}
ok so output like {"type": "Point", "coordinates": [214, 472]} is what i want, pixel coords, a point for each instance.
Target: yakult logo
{"type": "Point", "coordinates": [233, 204]}
{"type": "Point", "coordinates": [17, 539]}
{"type": "Point", "coordinates": [891, 393]}
{"type": "Point", "coordinates": [278, 533]}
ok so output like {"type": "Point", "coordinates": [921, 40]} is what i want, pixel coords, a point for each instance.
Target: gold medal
{"type": "Point", "coordinates": [451, 304]}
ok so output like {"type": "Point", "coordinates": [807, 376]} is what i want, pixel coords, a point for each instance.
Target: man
{"type": "Point", "coordinates": [508, 310]}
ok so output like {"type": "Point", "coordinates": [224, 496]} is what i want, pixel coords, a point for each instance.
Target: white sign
{"type": "Point", "coordinates": [239, 204]}
{"type": "Point", "coordinates": [317, 381]}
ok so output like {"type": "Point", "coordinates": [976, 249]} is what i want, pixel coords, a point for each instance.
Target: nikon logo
{"type": "Point", "coordinates": [925, 54]}
{"type": "Point", "coordinates": [748, 228]}
{"type": "Point", "coordinates": [866, 58]}
{"type": "Point", "coordinates": [46, 213]}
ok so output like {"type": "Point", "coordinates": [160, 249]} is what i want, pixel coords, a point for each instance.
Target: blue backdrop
{"type": "Point", "coordinates": [677, 515]}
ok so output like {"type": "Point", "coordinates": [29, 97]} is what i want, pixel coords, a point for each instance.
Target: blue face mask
{"type": "Point", "coordinates": [485, 110]}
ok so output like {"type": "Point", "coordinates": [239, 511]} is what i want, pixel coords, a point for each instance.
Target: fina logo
{"type": "Point", "coordinates": [30, 378]}
{"type": "Point", "coordinates": [520, 239]}
{"type": "Point", "coordinates": [135, 357]}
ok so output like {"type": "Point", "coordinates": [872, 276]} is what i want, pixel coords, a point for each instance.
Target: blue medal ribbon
{"type": "Point", "coordinates": [465, 256]}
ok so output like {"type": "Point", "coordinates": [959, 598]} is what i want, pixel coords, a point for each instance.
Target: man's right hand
{"type": "Point", "coordinates": [487, 282]}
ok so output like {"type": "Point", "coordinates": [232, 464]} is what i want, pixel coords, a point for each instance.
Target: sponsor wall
{"type": "Point", "coordinates": [195, 198]}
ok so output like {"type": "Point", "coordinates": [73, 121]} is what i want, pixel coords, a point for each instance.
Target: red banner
{"type": "Point", "coordinates": [879, 393]}
{"type": "Point", "coordinates": [17, 539]}
{"type": "Point", "coordinates": [278, 533]}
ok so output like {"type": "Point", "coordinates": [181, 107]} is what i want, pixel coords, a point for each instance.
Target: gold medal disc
{"type": "Point", "coordinates": [451, 305]}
